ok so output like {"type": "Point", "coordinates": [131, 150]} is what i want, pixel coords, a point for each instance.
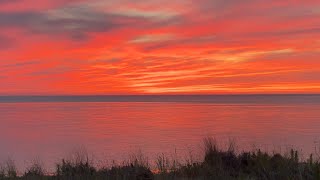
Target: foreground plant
{"type": "Point", "coordinates": [217, 163]}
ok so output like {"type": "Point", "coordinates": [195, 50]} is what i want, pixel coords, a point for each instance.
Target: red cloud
{"type": "Point", "coordinates": [136, 47]}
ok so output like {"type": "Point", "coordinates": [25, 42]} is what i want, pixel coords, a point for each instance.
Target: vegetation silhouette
{"type": "Point", "coordinates": [216, 164]}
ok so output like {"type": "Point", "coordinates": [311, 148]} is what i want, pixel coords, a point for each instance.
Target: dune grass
{"type": "Point", "coordinates": [217, 163]}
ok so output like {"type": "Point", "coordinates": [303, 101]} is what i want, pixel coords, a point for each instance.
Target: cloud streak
{"type": "Point", "coordinates": [142, 47]}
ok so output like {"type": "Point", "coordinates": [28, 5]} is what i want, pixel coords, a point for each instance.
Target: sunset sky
{"type": "Point", "coordinates": [51, 47]}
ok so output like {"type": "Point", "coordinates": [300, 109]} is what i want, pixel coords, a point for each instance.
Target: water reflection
{"type": "Point", "coordinates": [110, 129]}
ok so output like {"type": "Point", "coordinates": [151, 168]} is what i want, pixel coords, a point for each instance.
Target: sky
{"type": "Point", "coordinates": [74, 47]}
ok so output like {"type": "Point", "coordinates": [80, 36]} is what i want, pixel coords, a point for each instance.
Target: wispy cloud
{"type": "Point", "coordinates": [176, 46]}
{"type": "Point", "coordinates": [19, 64]}
{"type": "Point", "coordinates": [152, 38]}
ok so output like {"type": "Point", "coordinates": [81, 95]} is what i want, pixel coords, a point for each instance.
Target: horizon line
{"type": "Point", "coordinates": [88, 95]}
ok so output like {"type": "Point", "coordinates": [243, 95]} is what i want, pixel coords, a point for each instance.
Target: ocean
{"type": "Point", "coordinates": [110, 128]}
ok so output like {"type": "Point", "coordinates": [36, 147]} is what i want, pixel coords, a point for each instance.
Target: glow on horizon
{"type": "Point", "coordinates": [159, 47]}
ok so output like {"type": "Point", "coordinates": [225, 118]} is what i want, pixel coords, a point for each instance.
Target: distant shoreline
{"type": "Point", "coordinates": [236, 98]}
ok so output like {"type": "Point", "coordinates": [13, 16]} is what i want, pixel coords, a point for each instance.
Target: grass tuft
{"type": "Point", "coordinates": [217, 163]}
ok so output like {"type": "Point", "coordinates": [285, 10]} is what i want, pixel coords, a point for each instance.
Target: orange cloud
{"type": "Point", "coordinates": [150, 47]}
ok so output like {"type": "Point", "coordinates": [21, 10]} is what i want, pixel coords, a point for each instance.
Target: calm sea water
{"type": "Point", "coordinates": [112, 127]}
